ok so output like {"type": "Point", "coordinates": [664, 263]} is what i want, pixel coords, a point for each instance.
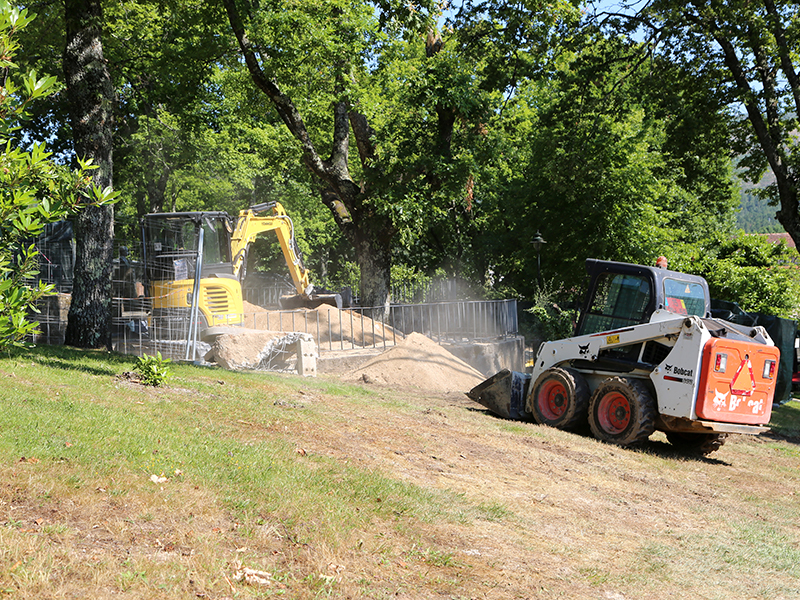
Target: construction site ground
{"type": "Point", "coordinates": [548, 514]}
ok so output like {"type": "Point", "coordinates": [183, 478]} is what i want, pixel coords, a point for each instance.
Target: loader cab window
{"type": "Point", "coordinates": [684, 298]}
{"type": "Point", "coordinates": [619, 301]}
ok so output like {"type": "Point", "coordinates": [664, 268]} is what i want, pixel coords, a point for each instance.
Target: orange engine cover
{"type": "Point", "coordinates": [733, 386]}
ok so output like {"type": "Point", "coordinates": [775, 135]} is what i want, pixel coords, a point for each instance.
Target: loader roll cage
{"type": "Point", "coordinates": [622, 295]}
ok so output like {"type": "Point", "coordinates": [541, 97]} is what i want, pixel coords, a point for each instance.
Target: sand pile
{"type": "Point", "coordinates": [328, 325]}
{"type": "Point", "coordinates": [418, 362]}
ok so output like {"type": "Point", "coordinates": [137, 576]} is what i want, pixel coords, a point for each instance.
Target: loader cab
{"type": "Point", "coordinates": [171, 243]}
{"type": "Point", "coordinates": [622, 295]}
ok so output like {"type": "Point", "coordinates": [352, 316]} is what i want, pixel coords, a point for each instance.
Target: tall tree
{"type": "Point", "coordinates": [605, 161]}
{"type": "Point", "coordinates": [751, 49]}
{"type": "Point", "coordinates": [388, 163]}
{"type": "Point", "coordinates": [91, 102]}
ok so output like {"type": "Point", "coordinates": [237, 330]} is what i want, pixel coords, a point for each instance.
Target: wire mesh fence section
{"type": "Point", "coordinates": [458, 321]}
{"type": "Point", "coordinates": [437, 290]}
{"type": "Point", "coordinates": [139, 328]}
{"type": "Point", "coordinates": [356, 328]}
{"type": "Point", "coordinates": [332, 328]}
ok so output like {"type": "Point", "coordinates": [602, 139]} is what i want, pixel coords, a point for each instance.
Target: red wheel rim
{"type": "Point", "coordinates": [552, 399]}
{"type": "Point", "coordinates": [614, 412]}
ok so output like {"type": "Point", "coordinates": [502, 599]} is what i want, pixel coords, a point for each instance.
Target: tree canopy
{"type": "Point", "coordinates": [399, 134]}
{"type": "Point", "coordinates": [750, 50]}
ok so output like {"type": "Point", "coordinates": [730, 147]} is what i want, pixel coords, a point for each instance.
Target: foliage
{"type": "Point", "coordinates": [485, 124]}
{"type": "Point", "coordinates": [750, 49]}
{"type": "Point", "coordinates": [550, 318]}
{"type": "Point", "coordinates": [34, 190]}
{"type": "Point", "coordinates": [400, 107]}
{"type": "Point", "coordinates": [755, 215]}
{"type": "Point", "coordinates": [589, 159]}
{"type": "Point", "coordinates": [153, 369]}
{"type": "Point", "coordinates": [746, 269]}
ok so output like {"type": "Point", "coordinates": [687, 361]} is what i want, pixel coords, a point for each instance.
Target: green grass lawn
{"type": "Point", "coordinates": [110, 487]}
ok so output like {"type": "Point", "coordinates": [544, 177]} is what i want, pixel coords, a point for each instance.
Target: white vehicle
{"type": "Point", "coordinates": [647, 355]}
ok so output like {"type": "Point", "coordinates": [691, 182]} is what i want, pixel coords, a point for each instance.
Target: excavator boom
{"type": "Point", "coordinates": [249, 225]}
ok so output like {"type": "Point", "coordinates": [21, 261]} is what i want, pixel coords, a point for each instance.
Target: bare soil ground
{"type": "Point", "coordinates": [581, 519]}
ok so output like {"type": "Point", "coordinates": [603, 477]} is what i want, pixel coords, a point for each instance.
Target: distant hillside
{"type": "Point", "coordinates": [756, 215]}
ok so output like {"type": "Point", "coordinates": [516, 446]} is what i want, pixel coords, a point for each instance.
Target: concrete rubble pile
{"type": "Point", "coordinates": [265, 351]}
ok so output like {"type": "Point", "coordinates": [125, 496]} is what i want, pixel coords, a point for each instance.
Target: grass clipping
{"type": "Point", "coordinates": [418, 362]}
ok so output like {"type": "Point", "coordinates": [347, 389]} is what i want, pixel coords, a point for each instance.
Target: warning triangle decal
{"type": "Point", "coordinates": [744, 382]}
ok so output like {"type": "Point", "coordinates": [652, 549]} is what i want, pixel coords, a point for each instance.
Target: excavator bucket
{"type": "Point", "coordinates": [504, 394]}
{"type": "Point", "coordinates": [313, 301]}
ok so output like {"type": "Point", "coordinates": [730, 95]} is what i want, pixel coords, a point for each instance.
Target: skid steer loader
{"type": "Point", "coordinates": [647, 355]}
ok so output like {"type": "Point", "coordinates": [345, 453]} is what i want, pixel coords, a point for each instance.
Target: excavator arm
{"type": "Point", "coordinates": [249, 225]}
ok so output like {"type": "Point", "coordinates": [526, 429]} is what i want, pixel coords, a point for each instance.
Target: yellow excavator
{"type": "Point", "coordinates": [204, 253]}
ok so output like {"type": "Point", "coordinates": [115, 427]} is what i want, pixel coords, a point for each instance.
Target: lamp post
{"type": "Point", "coordinates": [537, 242]}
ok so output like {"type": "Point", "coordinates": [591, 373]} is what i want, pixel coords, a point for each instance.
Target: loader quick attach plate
{"type": "Point", "coordinates": [733, 386]}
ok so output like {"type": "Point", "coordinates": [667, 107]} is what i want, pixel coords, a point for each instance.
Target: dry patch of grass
{"type": "Point", "coordinates": [330, 490]}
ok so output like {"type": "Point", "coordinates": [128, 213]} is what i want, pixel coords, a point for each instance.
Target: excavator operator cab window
{"type": "Point", "coordinates": [684, 298]}
{"type": "Point", "coordinates": [620, 300]}
{"type": "Point", "coordinates": [216, 245]}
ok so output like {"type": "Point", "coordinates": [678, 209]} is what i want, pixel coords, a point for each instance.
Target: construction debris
{"type": "Point", "coordinates": [264, 351]}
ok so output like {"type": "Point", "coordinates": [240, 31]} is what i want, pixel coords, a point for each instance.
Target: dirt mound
{"type": "Point", "coordinates": [418, 362]}
{"type": "Point", "coordinates": [328, 325]}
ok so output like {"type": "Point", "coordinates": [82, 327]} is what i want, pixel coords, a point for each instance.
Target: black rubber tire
{"type": "Point", "coordinates": [560, 398]}
{"type": "Point", "coordinates": [696, 443]}
{"type": "Point", "coordinates": [622, 411]}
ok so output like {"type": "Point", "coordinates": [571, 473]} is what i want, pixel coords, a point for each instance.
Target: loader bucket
{"type": "Point", "coordinates": [504, 394]}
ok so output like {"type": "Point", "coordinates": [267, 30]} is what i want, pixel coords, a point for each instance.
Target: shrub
{"type": "Point", "coordinates": [153, 369]}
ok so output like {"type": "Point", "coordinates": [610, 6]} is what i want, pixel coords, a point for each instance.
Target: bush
{"type": "Point", "coordinates": [549, 321]}
{"type": "Point", "coordinates": [153, 369]}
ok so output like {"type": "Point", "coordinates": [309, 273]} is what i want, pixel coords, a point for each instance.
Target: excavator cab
{"type": "Point", "coordinates": [173, 244]}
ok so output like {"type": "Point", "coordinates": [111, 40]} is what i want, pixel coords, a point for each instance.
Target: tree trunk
{"type": "Point", "coordinates": [90, 94]}
{"type": "Point", "coordinates": [369, 233]}
{"type": "Point", "coordinates": [373, 255]}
